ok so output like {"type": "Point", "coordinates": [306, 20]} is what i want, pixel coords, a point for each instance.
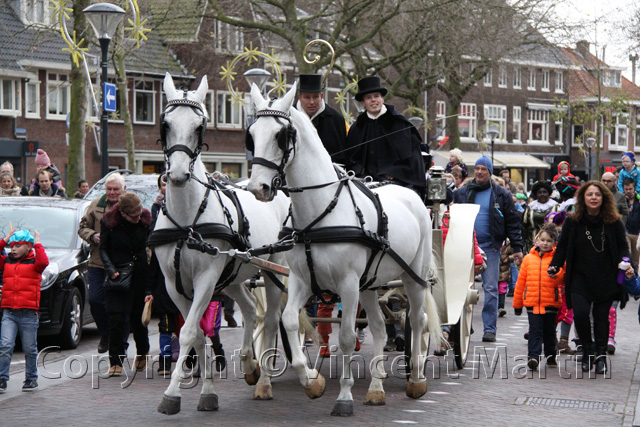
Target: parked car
{"type": "Point", "coordinates": [64, 281]}
{"type": "Point", "coordinates": [145, 186]}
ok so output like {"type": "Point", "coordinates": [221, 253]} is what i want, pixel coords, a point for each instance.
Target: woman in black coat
{"type": "Point", "coordinates": [592, 243]}
{"type": "Point", "coordinates": [123, 240]}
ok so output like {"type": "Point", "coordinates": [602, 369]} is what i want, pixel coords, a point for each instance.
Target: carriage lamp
{"type": "Point", "coordinates": [437, 185]}
{"type": "Point", "coordinates": [104, 19]}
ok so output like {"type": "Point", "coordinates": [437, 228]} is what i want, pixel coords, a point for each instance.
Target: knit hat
{"type": "Point", "coordinates": [21, 237]}
{"type": "Point", "coordinates": [485, 161]}
{"type": "Point", "coordinates": [42, 158]}
{"type": "Point", "coordinates": [630, 155]}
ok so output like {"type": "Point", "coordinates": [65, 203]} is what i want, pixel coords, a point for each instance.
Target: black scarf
{"type": "Point", "coordinates": [474, 188]}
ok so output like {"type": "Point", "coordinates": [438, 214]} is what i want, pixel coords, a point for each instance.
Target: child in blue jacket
{"type": "Point", "coordinates": [629, 170]}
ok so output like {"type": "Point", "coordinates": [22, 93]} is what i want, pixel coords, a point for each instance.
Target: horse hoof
{"type": "Point", "coordinates": [375, 398]}
{"type": "Point", "coordinates": [343, 408]}
{"type": "Point", "coordinates": [316, 389]}
{"type": "Point", "coordinates": [208, 402]}
{"type": "Point", "coordinates": [253, 377]}
{"type": "Point", "coordinates": [263, 392]}
{"type": "Point", "coordinates": [416, 390]}
{"type": "Point", "coordinates": [170, 405]}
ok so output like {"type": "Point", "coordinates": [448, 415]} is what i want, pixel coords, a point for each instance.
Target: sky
{"type": "Point", "coordinates": [601, 21]}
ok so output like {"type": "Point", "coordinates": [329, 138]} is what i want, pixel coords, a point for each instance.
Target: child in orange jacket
{"type": "Point", "coordinates": [541, 295]}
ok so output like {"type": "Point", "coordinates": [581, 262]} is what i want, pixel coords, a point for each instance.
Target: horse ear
{"type": "Point", "coordinates": [201, 92]}
{"type": "Point", "coordinates": [257, 98]}
{"type": "Point", "coordinates": [290, 97]}
{"type": "Point", "coordinates": [169, 87]}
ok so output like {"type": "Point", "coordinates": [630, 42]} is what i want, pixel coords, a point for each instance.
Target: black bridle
{"type": "Point", "coordinates": [286, 139]}
{"type": "Point", "coordinates": [193, 154]}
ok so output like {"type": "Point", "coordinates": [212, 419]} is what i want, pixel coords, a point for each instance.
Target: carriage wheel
{"type": "Point", "coordinates": [462, 335]}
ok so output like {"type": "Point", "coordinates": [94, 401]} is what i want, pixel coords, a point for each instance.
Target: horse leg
{"type": "Point", "coordinates": [208, 397]}
{"type": "Point", "coordinates": [268, 352]}
{"type": "Point", "coordinates": [417, 384]}
{"type": "Point", "coordinates": [349, 297]}
{"type": "Point", "coordinates": [375, 395]}
{"type": "Point", "coordinates": [247, 306]}
{"type": "Point", "coordinates": [170, 404]}
{"type": "Point", "coordinates": [312, 381]}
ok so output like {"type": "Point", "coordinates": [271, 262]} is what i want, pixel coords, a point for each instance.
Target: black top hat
{"type": "Point", "coordinates": [369, 85]}
{"type": "Point", "coordinates": [310, 83]}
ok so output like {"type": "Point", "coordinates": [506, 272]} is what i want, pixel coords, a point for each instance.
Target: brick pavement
{"type": "Point", "coordinates": [469, 396]}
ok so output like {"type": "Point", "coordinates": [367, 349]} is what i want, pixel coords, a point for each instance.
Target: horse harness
{"type": "Point", "coordinates": [377, 241]}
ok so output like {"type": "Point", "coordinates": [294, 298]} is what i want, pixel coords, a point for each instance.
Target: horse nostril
{"type": "Point", "coordinates": [266, 189]}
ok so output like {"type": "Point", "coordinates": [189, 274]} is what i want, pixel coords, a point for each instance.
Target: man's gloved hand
{"type": "Point", "coordinates": [517, 311]}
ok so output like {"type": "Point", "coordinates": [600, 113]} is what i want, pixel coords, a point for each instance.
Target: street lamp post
{"type": "Point", "coordinates": [104, 19]}
{"type": "Point", "coordinates": [493, 132]}
{"type": "Point", "coordinates": [590, 143]}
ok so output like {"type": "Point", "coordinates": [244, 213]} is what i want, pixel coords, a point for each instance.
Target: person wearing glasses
{"type": "Point", "coordinates": [125, 229]}
{"type": "Point", "coordinates": [609, 180]}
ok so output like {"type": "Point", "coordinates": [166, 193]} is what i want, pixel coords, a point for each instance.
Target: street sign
{"type": "Point", "coordinates": [30, 148]}
{"type": "Point", "coordinates": [109, 97]}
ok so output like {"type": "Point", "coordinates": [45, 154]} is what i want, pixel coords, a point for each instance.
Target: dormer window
{"type": "Point", "coordinates": [611, 78]}
{"type": "Point", "coordinates": [35, 12]}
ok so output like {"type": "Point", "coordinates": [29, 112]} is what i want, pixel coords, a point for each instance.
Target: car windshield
{"type": "Point", "coordinates": [145, 186]}
{"type": "Point", "coordinates": [57, 227]}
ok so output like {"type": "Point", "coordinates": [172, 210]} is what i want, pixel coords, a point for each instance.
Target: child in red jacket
{"type": "Point", "coordinates": [22, 273]}
{"type": "Point", "coordinates": [541, 295]}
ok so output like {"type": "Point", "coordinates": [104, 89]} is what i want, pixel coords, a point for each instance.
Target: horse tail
{"type": "Point", "coordinates": [433, 318]}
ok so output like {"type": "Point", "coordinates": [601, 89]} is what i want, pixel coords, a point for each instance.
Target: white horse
{"type": "Point", "coordinates": [184, 121]}
{"type": "Point", "coordinates": [339, 266]}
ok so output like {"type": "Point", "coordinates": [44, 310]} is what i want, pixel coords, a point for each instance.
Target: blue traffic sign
{"type": "Point", "coordinates": [109, 100]}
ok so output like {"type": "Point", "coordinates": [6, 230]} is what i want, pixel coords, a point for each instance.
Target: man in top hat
{"type": "Point", "coordinates": [329, 123]}
{"type": "Point", "coordinates": [385, 145]}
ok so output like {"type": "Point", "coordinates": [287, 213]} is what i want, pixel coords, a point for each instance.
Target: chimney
{"type": "Point", "coordinates": [583, 48]}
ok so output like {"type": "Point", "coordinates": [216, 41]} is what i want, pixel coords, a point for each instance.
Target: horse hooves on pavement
{"type": "Point", "coordinates": [316, 389]}
{"type": "Point", "coordinates": [375, 398]}
{"type": "Point", "coordinates": [263, 392]}
{"type": "Point", "coordinates": [253, 377]}
{"type": "Point", "coordinates": [170, 405]}
{"type": "Point", "coordinates": [343, 408]}
{"type": "Point", "coordinates": [416, 390]}
{"type": "Point", "coordinates": [208, 402]}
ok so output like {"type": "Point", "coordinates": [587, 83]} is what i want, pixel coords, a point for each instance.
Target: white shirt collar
{"type": "Point", "coordinates": [382, 111]}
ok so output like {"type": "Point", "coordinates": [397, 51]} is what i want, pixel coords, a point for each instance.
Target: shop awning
{"type": "Point", "coordinates": [501, 160]}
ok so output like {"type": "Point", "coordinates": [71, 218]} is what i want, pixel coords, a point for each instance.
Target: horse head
{"type": "Point", "coordinates": [182, 129]}
{"type": "Point", "coordinates": [271, 139]}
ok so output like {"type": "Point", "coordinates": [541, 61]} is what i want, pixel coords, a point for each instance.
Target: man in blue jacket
{"type": "Point", "coordinates": [496, 221]}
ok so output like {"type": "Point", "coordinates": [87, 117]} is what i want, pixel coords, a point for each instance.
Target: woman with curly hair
{"type": "Point", "coordinates": [592, 243]}
{"type": "Point", "coordinates": [535, 213]}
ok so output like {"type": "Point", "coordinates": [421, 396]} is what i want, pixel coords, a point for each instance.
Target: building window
{"type": "Point", "coordinates": [144, 102]}
{"type": "Point", "coordinates": [32, 100]}
{"type": "Point", "coordinates": [35, 12]}
{"type": "Point", "coordinates": [545, 80]}
{"type": "Point", "coordinates": [558, 132]}
{"type": "Point", "coordinates": [577, 131]}
{"type": "Point", "coordinates": [228, 37]}
{"type": "Point", "coordinates": [532, 79]}
{"type": "Point", "coordinates": [468, 120]}
{"type": "Point", "coordinates": [517, 124]}
{"type": "Point", "coordinates": [234, 170]}
{"type": "Point", "coordinates": [517, 78]}
{"type": "Point", "coordinates": [502, 77]}
{"type": "Point", "coordinates": [229, 112]}
{"type": "Point", "coordinates": [559, 82]}
{"type": "Point", "coordinates": [441, 117]}
{"type": "Point", "coordinates": [620, 136]}
{"type": "Point", "coordinates": [209, 104]}
{"type": "Point", "coordinates": [488, 78]}
{"type": "Point", "coordinates": [10, 98]}
{"type": "Point", "coordinates": [611, 78]}
{"type": "Point", "coordinates": [58, 95]}
{"type": "Point", "coordinates": [495, 116]}
{"type": "Point", "coordinates": [538, 125]}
